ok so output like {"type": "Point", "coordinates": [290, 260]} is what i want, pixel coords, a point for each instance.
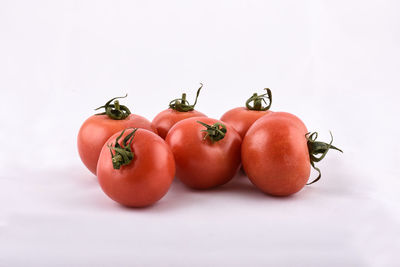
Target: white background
{"type": "Point", "coordinates": [335, 64]}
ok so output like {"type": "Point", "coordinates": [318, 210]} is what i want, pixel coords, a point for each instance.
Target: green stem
{"type": "Point", "coordinates": [182, 105]}
{"type": "Point", "coordinates": [215, 132]}
{"type": "Point", "coordinates": [183, 101]}
{"type": "Point", "coordinates": [115, 111]}
{"type": "Point", "coordinates": [258, 100]}
{"type": "Point", "coordinates": [318, 148]}
{"type": "Point", "coordinates": [123, 154]}
{"type": "Point", "coordinates": [116, 105]}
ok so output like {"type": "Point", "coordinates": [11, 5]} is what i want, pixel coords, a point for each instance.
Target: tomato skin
{"type": "Point", "coordinates": [275, 154]}
{"type": "Point", "coordinates": [167, 118]}
{"type": "Point", "coordinates": [242, 118]}
{"type": "Point", "coordinates": [143, 181]}
{"type": "Point", "coordinates": [201, 164]}
{"type": "Point", "coordinates": [95, 131]}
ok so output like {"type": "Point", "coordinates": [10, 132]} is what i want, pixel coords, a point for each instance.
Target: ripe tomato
{"type": "Point", "coordinates": [179, 109]}
{"type": "Point", "coordinates": [277, 152]}
{"type": "Point", "coordinates": [242, 118]}
{"type": "Point", "coordinates": [136, 167]}
{"type": "Point", "coordinates": [98, 128]}
{"type": "Point", "coordinates": [207, 152]}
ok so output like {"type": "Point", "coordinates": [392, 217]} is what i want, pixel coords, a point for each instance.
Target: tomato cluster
{"type": "Point", "coordinates": [136, 160]}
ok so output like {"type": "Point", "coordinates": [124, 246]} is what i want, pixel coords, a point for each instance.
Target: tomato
{"type": "Point", "coordinates": [207, 152]}
{"type": "Point", "coordinates": [167, 118]}
{"type": "Point", "coordinates": [136, 167]}
{"type": "Point", "coordinates": [242, 118]}
{"type": "Point", "coordinates": [98, 128]}
{"type": "Point", "coordinates": [277, 153]}
{"type": "Point", "coordinates": [179, 109]}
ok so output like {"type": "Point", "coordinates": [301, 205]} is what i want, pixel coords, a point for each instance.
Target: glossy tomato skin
{"type": "Point", "coordinates": [143, 181]}
{"type": "Point", "coordinates": [167, 118]}
{"type": "Point", "coordinates": [275, 154]}
{"type": "Point", "coordinates": [201, 164]}
{"type": "Point", "coordinates": [242, 118]}
{"type": "Point", "coordinates": [95, 131]}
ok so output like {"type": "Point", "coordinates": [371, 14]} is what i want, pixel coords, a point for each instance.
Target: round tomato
{"type": "Point", "coordinates": [179, 109]}
{"type": "Point", "coordinates": [277, 153]}
{"type": "Point", "coordinates": [98, 128]}
{"type": "Point", "coordinates": [206, 152]}
{"type": "Point", "coordinates": [242, 118]}
{"type": "Point", "coordinates": [136, 167]}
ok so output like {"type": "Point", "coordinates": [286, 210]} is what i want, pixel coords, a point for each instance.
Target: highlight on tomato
{"type": "Point", "coordinates": [206, 152]}
{"type": "Point", "coordinates": [136, 167]}
{"type": "Point", "coordinates": [242, 118]}
{"type": "Point", "coordinates": [278, 153]}
{"type": "Point", "coordinates": [179, 109]}
{"type": "Point", "coordinates": [95, 131]}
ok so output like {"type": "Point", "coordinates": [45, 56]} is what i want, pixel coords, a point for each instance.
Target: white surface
{"type": "Point", "coordinates": [335, 64]}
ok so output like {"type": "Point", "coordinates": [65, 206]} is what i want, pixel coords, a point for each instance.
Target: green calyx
{"type": "Point", "coordinates": [182, 105]}
{"type": "Point", "coordinates": [115, 111]}
{"type": "Point", "coordinates": [258, 101]}
{"type": "Point", "coordinates": [316, 148]}
{"type": "Point", "coordinates": [215, 132]}
{"type": "Point", "coordinates": [123, 154]}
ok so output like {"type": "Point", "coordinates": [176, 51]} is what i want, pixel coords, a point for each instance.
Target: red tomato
{"type": "Point", "coordinates": [98, 128]}
{"type": "Point", "coordinates": [167, 118]}
{"type": "Point", "coordinates": [207, 154]}
{"type": "Point", "coordinates": [242, 118]}
{"type": "Point", "coordinates": [277, 152]}
{"type": "Point", "coordinates": [179, 109]}
{"type": "Point", "coordinates": [138, 171]}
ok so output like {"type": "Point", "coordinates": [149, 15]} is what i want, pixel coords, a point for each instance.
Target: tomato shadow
{"type": "Point", "coordinates": [87, 179]}
{"type": "Point", "coordinates": [181, 197]}
{"type": "Point", "coordinates": [177, 197]}
{"type": "Point", "coordinates": [239, 186]}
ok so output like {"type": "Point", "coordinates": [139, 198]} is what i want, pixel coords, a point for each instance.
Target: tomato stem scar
{"type": "Point", "coordinates": [115, 111]}
{"type": "Point", "coordinates": [182, 105]}
{"type": "Point", "coordinates": [258, 100]}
